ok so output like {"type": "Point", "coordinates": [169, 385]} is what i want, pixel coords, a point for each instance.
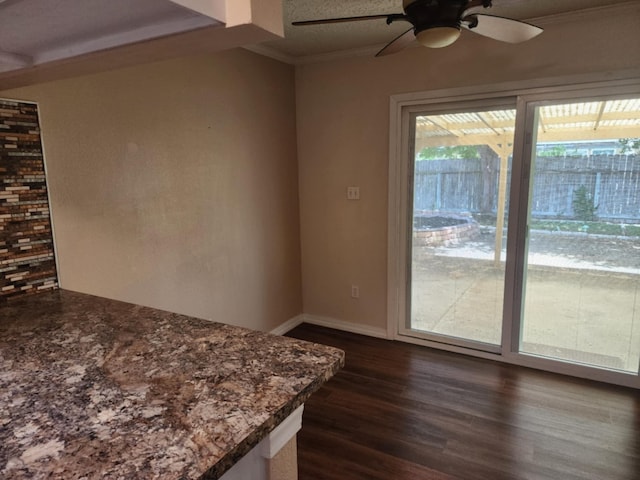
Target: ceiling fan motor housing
{"type": "Point", "coordinates": [427, 14]}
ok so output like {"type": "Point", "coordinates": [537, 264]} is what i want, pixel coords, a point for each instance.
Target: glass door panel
{"type": "Point", "coordinates": [459, 192]}
{"type": "Point", "coordinates": [582, 262]}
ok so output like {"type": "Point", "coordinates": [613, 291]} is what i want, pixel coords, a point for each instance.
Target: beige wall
{"type": "Point", "coordinates": [343, 139]}
{"type": "Point", "coordinates": [284, 466]}
{"type": "Point", "coordinates": [174, 185]}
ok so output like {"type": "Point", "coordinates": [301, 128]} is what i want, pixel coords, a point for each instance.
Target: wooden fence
{"type": "Point", "coordinates": [613, 182]}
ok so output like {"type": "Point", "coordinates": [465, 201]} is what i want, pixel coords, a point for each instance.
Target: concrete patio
{"type": "Point", "coordinates": [582, 302]}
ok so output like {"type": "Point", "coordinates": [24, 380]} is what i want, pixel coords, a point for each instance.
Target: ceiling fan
{"type": "Point", "coordinates": [438, 23]}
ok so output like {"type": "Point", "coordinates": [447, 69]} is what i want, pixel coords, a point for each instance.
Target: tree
{"type": "Point", "coordinates": [629, 145]}
{"type": "Point", "coordinates": [447, 153]}
{"type": "Point", "coordinates": [553, 151]}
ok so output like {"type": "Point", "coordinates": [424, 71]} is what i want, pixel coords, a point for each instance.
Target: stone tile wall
{"type": "Point", "coordinates": [27, 263]}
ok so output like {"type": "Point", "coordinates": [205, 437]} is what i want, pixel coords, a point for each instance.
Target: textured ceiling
{"type": "Point", "coordinates": [37, 32]}
{"type": "Point", "coordinates": [33, 32]}
{"type": "Point", "coordinates": [315, 40]}
{"type": "Point", "coordinates": [68, 22]}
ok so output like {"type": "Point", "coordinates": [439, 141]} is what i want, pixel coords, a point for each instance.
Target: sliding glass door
{"type": "Point", "coordinates": [582, 264]}
{"type": "Point", "coordinates": [458, 225]}
{"type": "Point", "coordinates": [520, 230]}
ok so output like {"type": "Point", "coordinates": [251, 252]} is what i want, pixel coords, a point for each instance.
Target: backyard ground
{"type": "Point", "coordinates": [559, 249]}
{"type": "Point", "coordinates": [582, 300]}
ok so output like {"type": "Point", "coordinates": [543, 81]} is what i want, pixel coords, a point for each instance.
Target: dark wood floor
{"type": "Point", "coordinates": [399, 411]}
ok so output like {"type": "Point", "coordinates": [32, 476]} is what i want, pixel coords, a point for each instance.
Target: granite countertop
{"type": "Point", "coordinates": [94, 388]}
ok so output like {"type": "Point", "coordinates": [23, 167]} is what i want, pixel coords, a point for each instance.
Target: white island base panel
{"type": "Point", "coordinates": [257, 464]}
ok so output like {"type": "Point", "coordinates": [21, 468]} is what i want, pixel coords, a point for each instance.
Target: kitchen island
{"type": "Point", "coordinates": [96, 388]}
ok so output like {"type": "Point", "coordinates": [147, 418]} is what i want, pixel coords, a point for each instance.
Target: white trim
{"type": "Point", "coordinates": [281, 435]}
{"type": "Point", "coordinates": [288, 325]}
{"type": "Point", "coordinates": [526, 92]}
{"type": "Point", "coordinates": [346, 326]}
{"type": "Point", "coordinates": [395, 306]}
{"type": "Point", "coordinates": [368, 51]}
{"type": "Point", "coordinates": [272, 53]}
{"type": "Point", "coordinates": [255, 464]}
{"type": "Point", "coordinates": [48, 184]}
{"type": "Point", "coordinates": [519, 88]}
{"type": "Point", "coordinates": [574, 370]}
{"type": "Point", "coordinates": [414, 340]}
{"type": "Point", "coordinates": [517, 215]}
{"type": "Point", "coordinates": [117, 39]}
{"type": "Point", "coordinates": [537, 363]}
{"type": "Point", "coordinates": [210, 8]}
{"type": "Point", "coordinates": [437, 339]}
{"type": "Point", "coordinates": [276, 54]}
{"type": "Point", "coordinates": [31, 102]}
{"type": "Point", "coordinates": [14, 60]}
{"type": "Point", "coordinates": [252, 466]}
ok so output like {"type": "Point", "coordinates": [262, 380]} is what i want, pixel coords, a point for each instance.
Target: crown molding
{"type": "Point", "coordinates": [271, 53]}
{"type": "Point", "coordinates": [368, 51]}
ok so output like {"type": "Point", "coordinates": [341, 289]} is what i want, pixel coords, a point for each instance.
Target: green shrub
{"type": "Point", "coordinates": [583, 207]}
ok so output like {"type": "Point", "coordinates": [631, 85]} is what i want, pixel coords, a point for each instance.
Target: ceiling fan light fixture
{"type": "Point", "coordinates": [438, 37]}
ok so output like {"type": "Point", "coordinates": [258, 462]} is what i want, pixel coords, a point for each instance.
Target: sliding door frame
{"type": "Point", "coordinates": [409, 115]}
{"type": "Point", "coordinates": [528, 96]}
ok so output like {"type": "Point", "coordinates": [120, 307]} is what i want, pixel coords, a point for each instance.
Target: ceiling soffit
{"type": "Point", "coordinates": [33, 32]}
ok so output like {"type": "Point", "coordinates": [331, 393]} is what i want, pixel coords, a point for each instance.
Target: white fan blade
{"type": "Point", "coordinates": [398, 43]}
{"type": "Point", "coordinates": [500, 28]}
